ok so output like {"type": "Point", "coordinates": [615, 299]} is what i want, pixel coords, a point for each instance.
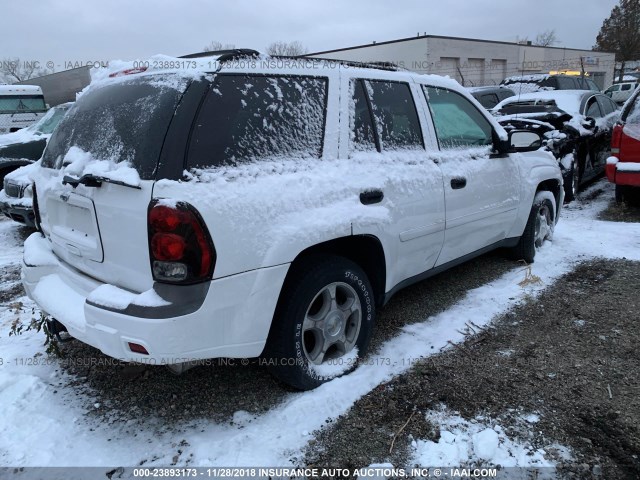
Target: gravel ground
{"type": "Point", "coordinates": [565, 351]}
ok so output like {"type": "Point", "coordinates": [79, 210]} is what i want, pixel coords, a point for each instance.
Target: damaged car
{"type": "Point", "coordinates": [577, 127]}
{"type": "Point", "coordinates": [18, 152]}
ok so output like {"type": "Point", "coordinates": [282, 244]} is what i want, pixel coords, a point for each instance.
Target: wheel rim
{"type": "Point", "coordinates": [332, 323]}
{"type": "Point", "coordinates": [543, 225]}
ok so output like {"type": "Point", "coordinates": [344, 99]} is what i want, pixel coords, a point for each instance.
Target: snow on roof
{"type": "Point", "coordinates": [20, 90]}
{"type": "Point", "coordinates": [566, 100]}
{"type": "Point", "coordinates": [197, 67]}
{"type": "Point", "coordinates": [535, 77]}
{"type": "Point", "coordinates": [488, 88]}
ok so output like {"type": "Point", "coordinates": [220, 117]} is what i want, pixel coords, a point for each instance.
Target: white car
{"type": "Point", "coordinates": [621, 92]}
{"type": "Point", "coordinates": [244, 206]}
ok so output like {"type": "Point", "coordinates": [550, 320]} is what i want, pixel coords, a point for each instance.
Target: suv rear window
{"type": "Point", "coordinates": [124, 121]}
{"type": "Point", "coordinates": [251, 117]}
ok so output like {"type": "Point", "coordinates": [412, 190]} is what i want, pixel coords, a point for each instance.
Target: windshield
{"type": "Point", "coordinates": [119, 122]}
{"type": "Point", "coordinates": [22, 104]}
{"type": "Point", "coordinates": [49, 122]}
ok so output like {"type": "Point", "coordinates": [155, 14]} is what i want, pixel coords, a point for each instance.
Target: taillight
{"type": "Point", "coordinates": [128, 71]}
{"type": "Point", "coordinates": [616, 139]}
{"type": "Point", "coordinates": [180, 246]}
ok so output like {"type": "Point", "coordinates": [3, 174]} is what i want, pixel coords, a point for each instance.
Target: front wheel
{"type": "Point", "coordinates": [323, 322]}
{"type": "Point", "coordinates": [539, 226]}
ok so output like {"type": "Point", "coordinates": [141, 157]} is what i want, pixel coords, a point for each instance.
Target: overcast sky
{"type": "Point", "coordinates": [84, 30]}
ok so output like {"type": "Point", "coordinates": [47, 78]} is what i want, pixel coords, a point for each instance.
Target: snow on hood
{"type": "Point", "coordinates": [22, 175]}
{"type": "Point", "coordinates": [567, 100]}
{"type": "Point", "coordinates": [79, 163]}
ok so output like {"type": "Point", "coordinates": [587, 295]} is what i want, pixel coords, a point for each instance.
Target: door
{"type": "Point", "coordinates": [386, 133]}
{"type": "Point", "coordinates": [598, 145]}
{"type": "Point", "coordinates": [481, 189]}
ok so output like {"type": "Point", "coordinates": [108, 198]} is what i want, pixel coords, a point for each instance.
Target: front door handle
{"type": "Point", "coordinates": [369, 197]}
{"type": "Point", "coordinates": [458, 182]}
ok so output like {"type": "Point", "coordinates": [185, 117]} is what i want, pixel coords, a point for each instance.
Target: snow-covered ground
{"type": "Point", "coordinates": [43, 421]}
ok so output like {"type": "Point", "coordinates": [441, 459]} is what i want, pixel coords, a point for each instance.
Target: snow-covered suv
{"type": "Point", "coordinates": [248, 206]}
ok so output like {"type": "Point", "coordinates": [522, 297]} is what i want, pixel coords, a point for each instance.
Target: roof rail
{"type": "Point", "coordinates": [351, 63]}
{"type": "Point", "coordinates": [225, 55]}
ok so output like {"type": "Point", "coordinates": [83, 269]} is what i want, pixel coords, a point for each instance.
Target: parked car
{"type": "Point", "coordinates": [18, 151]}
{"type": "Point", "coordinates": [623, 168]}
{"type": "Point", "coordinates": [577, 125]}
{"type": "Point", "coordinates": [542, 81]}
{"type": "Point", "coordinates": [621, 92]}
{"type": "Point", "coordinates": [489, 97]}
{"type": "Point", "coordinates": [16, 198]}
{"type": "Point", "coordinates": [20, 106]}
{"type": "Point", "coordinates": [268, 209]}
{"type": "Point", "coordinates": [26, 146]}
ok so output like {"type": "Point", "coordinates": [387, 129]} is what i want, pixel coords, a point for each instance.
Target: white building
{"type": "Point", "coordinates": [476, 62]}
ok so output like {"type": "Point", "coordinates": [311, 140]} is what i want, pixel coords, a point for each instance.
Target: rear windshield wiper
{"type": "Point", "coordinates": [90, 180]}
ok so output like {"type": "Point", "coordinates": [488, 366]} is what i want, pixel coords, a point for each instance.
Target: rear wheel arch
{"type": "Point", "coordinates": [364, 250]}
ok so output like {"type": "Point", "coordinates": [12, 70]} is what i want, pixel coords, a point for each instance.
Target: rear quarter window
{"type": "Point", "coordinates": [247, 118]}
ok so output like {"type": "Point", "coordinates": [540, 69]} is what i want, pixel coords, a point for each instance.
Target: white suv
{"type": "Point", "coordinates": [248, 206]}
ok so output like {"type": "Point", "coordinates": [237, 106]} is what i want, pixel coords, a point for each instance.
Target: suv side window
{"type": "Point", "coordinates": [251, 117]}
{"type": "Point", "coordinates": [361, 122]}
{"type": "Point", "coordinates": [395, 115]}
{"type": "Point", "coordinates": [457, 121]}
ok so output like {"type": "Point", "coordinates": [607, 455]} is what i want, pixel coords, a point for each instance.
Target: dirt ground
{"type": "Point", "coordinates": [572, 358]}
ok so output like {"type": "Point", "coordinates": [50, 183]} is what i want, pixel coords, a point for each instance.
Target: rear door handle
{"type": "Point", "coordinates": [369, 197]}
{"type": "Point", "coordinates": [458, 182]}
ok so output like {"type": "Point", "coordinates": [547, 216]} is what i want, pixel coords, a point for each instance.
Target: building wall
{"type": "Point", "coordinates": [479, 62]}
{"type": "Point", "coordinates": [61, 87]}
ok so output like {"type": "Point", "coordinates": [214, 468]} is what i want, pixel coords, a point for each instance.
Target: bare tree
{"type": "Point", "coordinates": [215, 46]}
{"type": "Point", "coordinates": [620, 33]}
{"type": "Point", "coordinates": [14, 70]}
{"type": "Point", "coordinates": [548, 38]}
{"type": "Point", "coordinates": [287, 49]}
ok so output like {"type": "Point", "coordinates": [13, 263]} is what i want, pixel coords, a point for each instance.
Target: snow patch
{"type": "Point", "coordinates": [111, 296]}
{"type": "Point", "coordinates": [475, 442]}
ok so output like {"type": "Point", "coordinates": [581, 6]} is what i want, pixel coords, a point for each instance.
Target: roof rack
{"type": "Point", "coordinates": [225, 55]}
{"type": "Point", "coordinates": [351, 63]}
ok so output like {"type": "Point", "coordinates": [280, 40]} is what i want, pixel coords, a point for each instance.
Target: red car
{"type": "Point", "coordinates": [623, 167]}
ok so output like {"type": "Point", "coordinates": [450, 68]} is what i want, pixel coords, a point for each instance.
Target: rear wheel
{"type": "Point", "coordinates": [323, 322]}
{"type": "Point", "coordinates": [539, 226]}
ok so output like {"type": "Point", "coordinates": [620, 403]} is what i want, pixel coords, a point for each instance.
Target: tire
{"type": "Point", "coordinates": [326, 310]}
{"type": "Point", "coordinates": [571, 188]}
{"type": "Point", "coordinates": [632, 196]}
{"type": "Point", "coordinates": [539, 227]}
{"type": "Point", "coordinates": [619, 193]}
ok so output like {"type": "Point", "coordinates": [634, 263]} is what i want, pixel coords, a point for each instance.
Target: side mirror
{"type": "Point", "coordinates": [524, 141]}
{"type": "Point", "coordinates": [589, 123]}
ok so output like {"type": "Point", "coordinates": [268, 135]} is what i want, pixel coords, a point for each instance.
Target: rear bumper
{"type": "Point", "coordinates": [623, 173]}
{"type": "Point", "coordinates": [232, 321]}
